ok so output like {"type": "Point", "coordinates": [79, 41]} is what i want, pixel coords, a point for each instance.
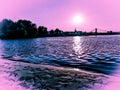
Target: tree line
{"type": "Point", "coordinates": [25, 29]}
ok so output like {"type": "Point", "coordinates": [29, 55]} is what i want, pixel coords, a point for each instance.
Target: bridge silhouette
{"type": "Point", "coordinates": [99, 30]}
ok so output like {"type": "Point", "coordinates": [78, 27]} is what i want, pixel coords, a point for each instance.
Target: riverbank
{"type": "Point", "coordinates": [25, 76]}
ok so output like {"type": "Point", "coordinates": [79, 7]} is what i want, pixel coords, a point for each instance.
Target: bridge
{"type": "Point", "coordinates": [99, 30]}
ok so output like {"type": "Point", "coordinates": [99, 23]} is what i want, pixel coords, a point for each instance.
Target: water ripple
{"type": "Point", "coordinates": [94, 53]}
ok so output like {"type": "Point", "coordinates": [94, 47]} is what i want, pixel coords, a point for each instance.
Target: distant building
{"type": "Point", "coordinates": [77, 32]}
{"type": "Point", "coordinates": [74, 33]}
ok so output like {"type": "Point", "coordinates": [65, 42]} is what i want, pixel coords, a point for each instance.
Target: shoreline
{"type": "Point", "coordinates": [37, 77]}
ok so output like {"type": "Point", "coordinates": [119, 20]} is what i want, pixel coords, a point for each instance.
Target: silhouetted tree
{"type": "Point", "coordinates": [27, 27]}
{"type": "Point", "coordinates": [58, 32]}
{"type": "Point", "coordinates": [19, 29]}
{"type": "Point", "coordinates": [51, 33]}
{"type": "Point", "coordinates": [7, 29]}
{"type": "Point", "coordinates": [109, 32]}
{"type": "Point", "coordinates": [42, 31]}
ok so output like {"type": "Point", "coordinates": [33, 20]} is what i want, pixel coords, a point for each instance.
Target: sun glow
{"type": "Point", "coordinates": [78, 19]}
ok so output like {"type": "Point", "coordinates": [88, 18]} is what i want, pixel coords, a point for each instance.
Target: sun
{"type": "Point", "coordinates": [78, 19]}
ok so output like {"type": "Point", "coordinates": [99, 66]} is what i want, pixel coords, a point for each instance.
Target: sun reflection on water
{"type": "Point", "coordinates": [77, 45]}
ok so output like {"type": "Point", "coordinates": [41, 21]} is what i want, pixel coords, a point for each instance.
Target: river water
{"type": "Point", "coordinates": [100, 54]}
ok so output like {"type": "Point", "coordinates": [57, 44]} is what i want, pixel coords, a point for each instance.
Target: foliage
{"type": "Point", "coordinates": [19, 29]}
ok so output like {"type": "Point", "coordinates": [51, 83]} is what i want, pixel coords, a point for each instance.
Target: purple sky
{"type": "Point", "coordinates": [104, 14]}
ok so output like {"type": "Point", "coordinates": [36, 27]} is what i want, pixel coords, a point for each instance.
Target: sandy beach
{"type": "Point", "coordinates": [26, 76]}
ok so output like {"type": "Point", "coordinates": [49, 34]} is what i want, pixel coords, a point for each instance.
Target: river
{"type": "Point", "coordinates": [98, 54]}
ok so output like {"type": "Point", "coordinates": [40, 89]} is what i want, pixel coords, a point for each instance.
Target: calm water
{"type": "Point", "coordinates": [99, 54]}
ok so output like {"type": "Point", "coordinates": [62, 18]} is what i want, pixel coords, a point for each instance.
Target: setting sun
{"type": "Point", "coordinates": [78, 19]}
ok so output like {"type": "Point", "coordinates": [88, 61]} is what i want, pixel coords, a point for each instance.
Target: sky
{"type": "Point", "coordinates": [103, 14]}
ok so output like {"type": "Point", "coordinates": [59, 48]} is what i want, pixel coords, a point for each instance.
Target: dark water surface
{"type": "Point", "coordinates": [99, 54]}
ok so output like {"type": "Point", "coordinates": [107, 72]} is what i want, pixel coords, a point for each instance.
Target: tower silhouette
{"type": "Point", "coordinates": [96, 31]}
